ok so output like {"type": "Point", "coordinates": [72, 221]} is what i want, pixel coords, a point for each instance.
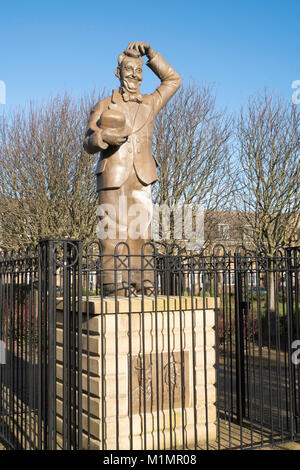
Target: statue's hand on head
{"type": "Point", "coordinates": [142, 47]}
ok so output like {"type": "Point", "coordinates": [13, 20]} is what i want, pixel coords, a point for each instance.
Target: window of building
{"type": "Point", "coordinates": [223, 231]}
{"type": "Point", "coordinates": [229, 279]}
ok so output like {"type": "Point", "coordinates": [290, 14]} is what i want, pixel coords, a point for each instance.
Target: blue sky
{"type": "Point", "coordinates": [239, 45]}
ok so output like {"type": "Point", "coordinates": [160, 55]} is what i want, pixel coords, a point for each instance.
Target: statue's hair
{"type": "Point", "coordinates": [129, 53]}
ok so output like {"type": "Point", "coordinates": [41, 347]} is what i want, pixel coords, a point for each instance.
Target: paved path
{"type": "Point", "coordinates": [287, 446]}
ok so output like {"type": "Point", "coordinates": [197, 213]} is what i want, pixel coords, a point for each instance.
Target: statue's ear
{"type": "Point", "coordinates": [117, 73]}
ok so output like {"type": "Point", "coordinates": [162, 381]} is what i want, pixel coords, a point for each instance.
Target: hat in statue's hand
{"type": "Point", "coordinates": [113, 119]}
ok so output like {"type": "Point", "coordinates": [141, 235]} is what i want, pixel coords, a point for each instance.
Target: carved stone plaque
{"type": "Point", "coordinates": [162, 384]}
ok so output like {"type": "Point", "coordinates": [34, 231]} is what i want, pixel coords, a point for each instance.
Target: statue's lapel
{"type": "Point", "coordinates": [142, 116]}
{"type": "Point", "coordinates": [116, 102]}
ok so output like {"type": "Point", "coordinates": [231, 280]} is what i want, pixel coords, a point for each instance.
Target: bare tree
{"type": "Point", "coordinates": [268, 186]}
{"type": "Point", "coordinates": [191, 146]}
{"type": "Point", "coordinates": [47, 182]}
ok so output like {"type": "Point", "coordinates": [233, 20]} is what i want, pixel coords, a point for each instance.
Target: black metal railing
{"type": "Point", "coordinates": [169, 349]}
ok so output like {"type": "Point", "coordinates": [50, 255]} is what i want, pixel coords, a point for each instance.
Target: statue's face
{"type": "Point", "coordinates": [131, 74]}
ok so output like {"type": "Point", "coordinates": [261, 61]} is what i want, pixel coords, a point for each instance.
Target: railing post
{"type": "Point", "coordinates": [290, 335]}
{"type": "Point", "coordinates": [60, 257]}
{"type": "Point", "coordinates": [46, 347]}
{"type": "Point", "coordinates": [239, 326]}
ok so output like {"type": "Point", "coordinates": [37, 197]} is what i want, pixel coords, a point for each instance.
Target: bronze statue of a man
{"type": "Point", "coordinates": [121, 128]}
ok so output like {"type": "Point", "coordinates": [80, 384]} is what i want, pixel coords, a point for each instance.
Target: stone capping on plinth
{"type": "Point", "coordinates": [162, 303]}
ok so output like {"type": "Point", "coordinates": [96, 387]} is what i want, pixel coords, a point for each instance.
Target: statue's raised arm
{"type": "Point", "coordinates": [170, 79]}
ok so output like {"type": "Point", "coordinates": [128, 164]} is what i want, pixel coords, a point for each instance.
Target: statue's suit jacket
{"type": "Point", "coordinates": [115, 163]}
